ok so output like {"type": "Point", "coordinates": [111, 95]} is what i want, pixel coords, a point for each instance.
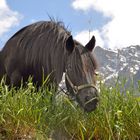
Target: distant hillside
{"type": "Point", "coordinates": [123, 63]}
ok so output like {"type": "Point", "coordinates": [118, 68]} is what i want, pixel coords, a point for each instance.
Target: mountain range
{"type": "Point", "coordinates": [119, 64]}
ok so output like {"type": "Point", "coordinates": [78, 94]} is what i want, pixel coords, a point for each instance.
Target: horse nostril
{"type": "Point", "coordinates": [91, 98]}
{"type": "Point", "coordinates": [90, 103]}
{"type": "Point", "coordinates": [87, 98]}
{"type": "Point", "coordinates": [92, 95]}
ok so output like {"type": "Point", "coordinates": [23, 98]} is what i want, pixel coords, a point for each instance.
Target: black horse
{"type": "Point", "coordinates": [47, 47]}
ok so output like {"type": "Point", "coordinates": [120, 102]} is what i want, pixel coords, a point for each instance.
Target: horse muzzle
{"type": "Point", "coordinates": [88, 99]}
{"type": "Point", "coordinates": [86, 95]}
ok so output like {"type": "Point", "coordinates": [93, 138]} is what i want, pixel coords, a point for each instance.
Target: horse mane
{"type": "Point", "coordinates": [41, 26]}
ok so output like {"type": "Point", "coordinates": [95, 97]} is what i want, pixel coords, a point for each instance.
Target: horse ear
{"type": "Point", "coordinates": [70, 44]}
{"type": "Point", "coordinates": [91, 44]}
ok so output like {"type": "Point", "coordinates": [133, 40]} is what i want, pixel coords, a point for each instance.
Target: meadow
{"type": "Point", "coordinates": [31, 114]}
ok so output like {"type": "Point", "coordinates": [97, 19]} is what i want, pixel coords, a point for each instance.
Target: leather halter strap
{"type": "Point", "coordinates": [77, 88]}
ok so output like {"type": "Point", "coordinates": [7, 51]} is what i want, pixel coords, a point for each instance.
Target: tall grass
{"type": "Point", "coordinates": [28, 113]}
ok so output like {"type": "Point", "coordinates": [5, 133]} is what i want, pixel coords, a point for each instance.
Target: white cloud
{"type": "Point", "coordinates": [8, 18]}
{"type": "Point", "coordinates": [124, 27]}
{"type": "Point", "coordinates": [85, 36]}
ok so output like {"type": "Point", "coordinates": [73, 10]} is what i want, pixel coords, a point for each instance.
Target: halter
{"type": "Point", "coordinates": [77, 88]}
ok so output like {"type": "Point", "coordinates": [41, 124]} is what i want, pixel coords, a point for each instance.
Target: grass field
{"type": "Point", "coordinates": [33, 114]}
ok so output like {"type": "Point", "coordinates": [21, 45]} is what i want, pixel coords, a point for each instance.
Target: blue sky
{"type": "Point", "coordinates": [36, 10]}
{"type": "Point", "coordinates": [113, 23]}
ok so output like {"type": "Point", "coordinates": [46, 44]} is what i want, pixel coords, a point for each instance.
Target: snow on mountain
{"type": "Point", "coordinates": [122, 63]}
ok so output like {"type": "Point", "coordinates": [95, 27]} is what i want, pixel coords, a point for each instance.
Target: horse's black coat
{"type": "Point", "coordinates": [45, 48]}
{"type": "Point", "coordinates": [36, 48]}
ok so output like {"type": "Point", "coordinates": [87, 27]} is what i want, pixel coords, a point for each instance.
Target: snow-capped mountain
{"type": "Point", "coordinates": [122, 63]}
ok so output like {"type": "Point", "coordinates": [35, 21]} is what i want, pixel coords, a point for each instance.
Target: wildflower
{"type": "Point", "coordinates": [119, 114]}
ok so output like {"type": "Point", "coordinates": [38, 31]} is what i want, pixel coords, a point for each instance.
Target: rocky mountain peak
{"type": "Point", "coordinates": [124, 63]}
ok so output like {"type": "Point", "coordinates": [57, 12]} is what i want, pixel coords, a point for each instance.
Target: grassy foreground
{"type": "Point", "coordinates": [39, 115]}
